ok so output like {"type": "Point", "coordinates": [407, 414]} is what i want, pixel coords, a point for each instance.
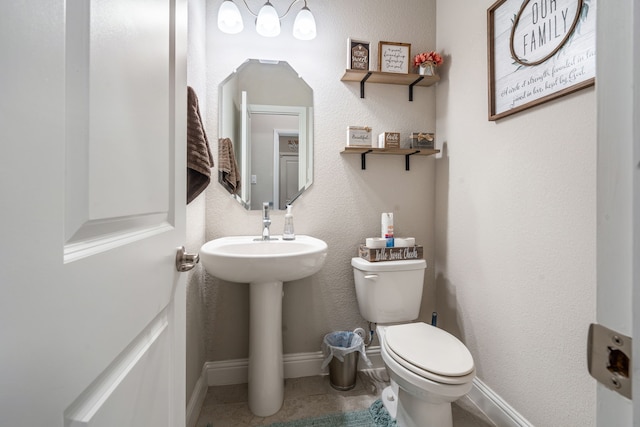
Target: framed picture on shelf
{"type": "Point", "coordinates": [394, 57]}
{"type": "Point", "coordinates": [358, 54]}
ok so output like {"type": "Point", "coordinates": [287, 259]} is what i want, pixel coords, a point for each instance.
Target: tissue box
{"type": "Point", "coordinates": [359, 136]}
{"type": "Point", "coordinates": [390, 254]}
{"type": "Point", "coordinates": [422, 140]}
{"type": "Point", "coordinates": [389, 140]}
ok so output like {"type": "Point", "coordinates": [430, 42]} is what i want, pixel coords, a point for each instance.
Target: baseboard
{"type": "Point", "coordinates": [494, 407]}
{"type": "Point", "coordinates": [309, 364]}
{"type": "Point", "coordinates": [197, 399]}
{"type": "Point", "coordinates": [296, 365]}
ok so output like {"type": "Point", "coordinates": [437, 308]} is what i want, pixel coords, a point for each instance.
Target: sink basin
{"type": "Point", "coordinates": [264, 265]}
{"type": "Point", "coordinates": [243, 259]}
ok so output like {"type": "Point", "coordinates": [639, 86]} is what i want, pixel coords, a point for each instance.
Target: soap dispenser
{"type": "Point", "coordinates": [288, 233]}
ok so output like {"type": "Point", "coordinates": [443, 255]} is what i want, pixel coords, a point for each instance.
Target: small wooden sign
{"type": "Point", "coordinates": [390, 254]}
{"type": "Point", "coordinates": [358, 136]}
{"type": "Point", "coordinates": [422, 140]}
{"type": "Point", "coordinates": [389, 140]}
{"type": "Point", "coordinates": [394, 57]}
{"type": "Point", "coordinates": [358, 55]}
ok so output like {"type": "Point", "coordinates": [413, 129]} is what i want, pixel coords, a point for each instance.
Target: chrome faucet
{"type": "Point", "coordinates": [266, 221]}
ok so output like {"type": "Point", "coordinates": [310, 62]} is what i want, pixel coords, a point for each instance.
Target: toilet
{"type": "Point", "coordinates": [429, 368]}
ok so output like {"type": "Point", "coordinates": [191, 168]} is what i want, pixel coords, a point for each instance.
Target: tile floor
{"type": "Point", "coordinates": [226, 406]}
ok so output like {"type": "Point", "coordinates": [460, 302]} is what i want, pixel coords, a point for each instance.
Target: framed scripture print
{"type": "Point", "coordinates": [538, 50]}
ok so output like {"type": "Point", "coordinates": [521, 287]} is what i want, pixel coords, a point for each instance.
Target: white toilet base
{"type": "Point", "coordinates": [410, 411]}
{"type": "Point", "coordinates": [390, 401]}
{"type": "Point", "coordinates": [415, 412]}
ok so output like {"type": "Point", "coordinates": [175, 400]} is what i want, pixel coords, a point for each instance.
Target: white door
{"type": "Point", "coordinates": [619, 194]}
{"type": "Point", "coordinates": [92, 188]}
{"type": "Point", "coordinates": [288, 182]}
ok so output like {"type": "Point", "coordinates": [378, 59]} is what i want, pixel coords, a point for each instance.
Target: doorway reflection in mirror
{"type": "Point", "coordinates": [266, 109]}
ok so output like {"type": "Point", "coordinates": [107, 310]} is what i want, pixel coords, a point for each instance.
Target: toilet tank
{"type": "Point", "coordinates": [389, 291]}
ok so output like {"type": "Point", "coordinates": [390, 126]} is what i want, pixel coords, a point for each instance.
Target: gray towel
{"type": "Point", "coordinates": [199, 158]}
{"type": "Point", "coordinates": [228, 173]}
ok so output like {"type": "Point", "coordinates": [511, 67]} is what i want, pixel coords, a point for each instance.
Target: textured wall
{"type": "Point", "coordinates": [515, 227]}
{"type": "Point", "coordinates": [343, 205]}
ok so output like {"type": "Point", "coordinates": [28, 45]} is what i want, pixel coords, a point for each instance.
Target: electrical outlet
{"type": "Point", "coordinates": [254, 179]}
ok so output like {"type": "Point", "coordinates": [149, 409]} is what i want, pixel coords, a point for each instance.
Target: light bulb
{"type": "Point", "coordinates": [304, 27]}
{"type": "Point", "coordinates": [268, 22]}
{"type": "Point", "coordinates": [229, 18]}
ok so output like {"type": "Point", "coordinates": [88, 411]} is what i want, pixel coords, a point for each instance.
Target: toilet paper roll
{"type": "Point", "coordinates": [404, 242]}
{"type": "Point", "coordinates": [376, 242]}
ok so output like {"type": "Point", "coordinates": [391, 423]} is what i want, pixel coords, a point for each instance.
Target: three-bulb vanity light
{"type": "Point", "coordinates": [267, 20]}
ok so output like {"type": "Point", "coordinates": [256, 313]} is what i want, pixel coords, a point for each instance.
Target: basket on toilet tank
{"type": "Point", "coordinates": [382, 302]}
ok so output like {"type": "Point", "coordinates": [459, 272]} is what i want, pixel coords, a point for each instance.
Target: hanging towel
{"type": "Point", "coordinates": [228, 174]}
{"type": "Point", "coordinates": [199, 158]}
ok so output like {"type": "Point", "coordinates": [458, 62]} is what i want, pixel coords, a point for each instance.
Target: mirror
{"type": "Point", "coordinates": [266, 125]}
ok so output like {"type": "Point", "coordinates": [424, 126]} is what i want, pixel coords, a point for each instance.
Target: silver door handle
{"type": "Point", "coordinates": [185, 261]}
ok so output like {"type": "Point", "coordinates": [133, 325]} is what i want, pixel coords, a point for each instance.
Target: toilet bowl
{"type": "Point", "coordinates": [429, 368]}
{"type": "Point", "coordinates": [421, 393]}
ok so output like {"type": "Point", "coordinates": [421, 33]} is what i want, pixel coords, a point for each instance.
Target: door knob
{"type": "Point", "coordinates": [185, 261]}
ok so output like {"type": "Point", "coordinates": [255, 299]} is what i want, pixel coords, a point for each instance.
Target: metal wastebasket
{"type": "Point", "coordinates": [343, 349]}
{"type": "Point", "coordinates": [342, 375]}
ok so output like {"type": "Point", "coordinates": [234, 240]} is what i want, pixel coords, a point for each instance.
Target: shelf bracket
{"type": "Point", "coordinates": [363, 159]}
{"type": "Point", "coordinates": [406, 159]}
{"type": "Point", "coordinates": [364, 79]}
{"type": "Point", "coordinates": [411, 89]}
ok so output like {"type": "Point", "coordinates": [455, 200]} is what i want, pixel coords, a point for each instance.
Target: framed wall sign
{"type": "Point", "coordinates": [394, 57]}
{"type": "Point", "coordinates": [357, 55]}
{"type": "Point", "coordinates": [538, 50]}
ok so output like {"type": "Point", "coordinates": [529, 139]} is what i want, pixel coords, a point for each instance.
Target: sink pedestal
{"type": "Point", "coordinates": [265, 265]}
{"type": "Point", "coordinates": [266, 370]}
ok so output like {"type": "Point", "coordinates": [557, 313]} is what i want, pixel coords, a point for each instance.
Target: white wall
{"type": "Point", "coordinates": [516, 228]}
{"type": "Point", "coordinates": [344, 203]}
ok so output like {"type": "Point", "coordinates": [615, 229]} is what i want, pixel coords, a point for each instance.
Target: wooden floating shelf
{"type": "Point", "coordinates": [389, 78]}
{"type": "Point", "coordinates": [406, 152]}
{"type": "Point", "coordinates": [409, 80]}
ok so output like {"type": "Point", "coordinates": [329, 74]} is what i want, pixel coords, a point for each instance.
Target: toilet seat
{"type": "Point", "coordinates": [429, 352]}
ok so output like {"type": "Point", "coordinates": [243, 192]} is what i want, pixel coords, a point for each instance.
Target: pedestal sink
{"type": "Point", "coordinates": [264, 265]}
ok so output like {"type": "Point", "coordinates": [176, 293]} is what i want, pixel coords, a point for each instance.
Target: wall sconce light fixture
{"type": "Point", "coordinates": [267, 20]}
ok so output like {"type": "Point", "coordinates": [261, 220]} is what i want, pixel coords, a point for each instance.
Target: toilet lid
{"type": "Point", "coordinates": [430, 349]}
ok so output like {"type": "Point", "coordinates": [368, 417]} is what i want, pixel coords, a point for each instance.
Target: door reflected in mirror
{"type": "Point", "coordinates": [266, 112]}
